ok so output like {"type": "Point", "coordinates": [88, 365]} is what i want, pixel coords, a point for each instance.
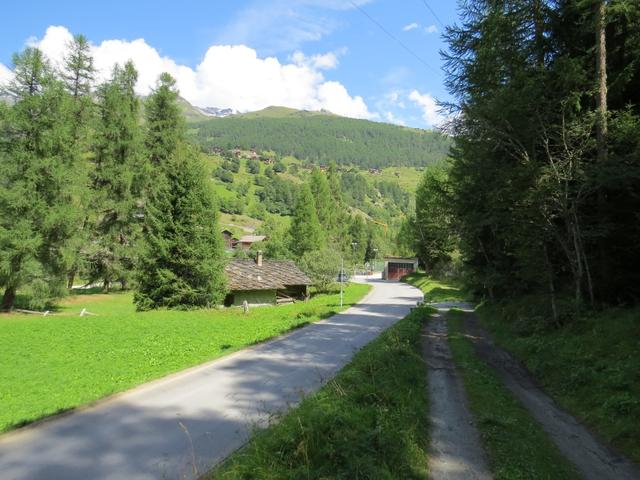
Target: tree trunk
{"type": "Point", "coordinates": [71, 276]}
{"type": "Point", "coordinates": [552, 287]}
{"type": "Point", "coordinates": [539, 32]}
{"type": "Point", "coordinates": [8, 298]}
{"type": "Point", "coordinates": [601, 127]}
{"type": "Point", "coordinates": [601, 67]}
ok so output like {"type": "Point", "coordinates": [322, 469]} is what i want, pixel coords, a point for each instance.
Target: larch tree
{"type": "Point", "coordinates": [78, 75]}
{"type": "Point", "coordinates": [39, 179]}
{"type": "Point", "coordinates": [117, 194]}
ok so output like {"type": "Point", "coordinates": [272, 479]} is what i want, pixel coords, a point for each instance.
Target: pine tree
{"type": "Point", "coordinates": [39, 179]}
{"type": "Point", "coordinates": [116, 179]}
{"type": "Point", "coordinates": [182, 263]}
{"type": "Point", "coordinates": [305, 233]}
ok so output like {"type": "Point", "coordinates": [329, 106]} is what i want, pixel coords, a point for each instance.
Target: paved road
{"type": "Point", "coordinates": [181, 425]}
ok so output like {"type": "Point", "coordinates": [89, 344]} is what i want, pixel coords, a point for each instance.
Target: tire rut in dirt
{"type": "Point", "coordinates": [593, 459]}
{"type": "Point", "coordinates": [455, 452]}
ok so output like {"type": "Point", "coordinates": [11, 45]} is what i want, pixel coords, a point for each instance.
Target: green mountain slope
{"type": "Point", "coordinates": [322, 137]}
{"type": "Point", "coordinates": [191, 113]}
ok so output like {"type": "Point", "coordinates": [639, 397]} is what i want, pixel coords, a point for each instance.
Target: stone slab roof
{"type": "Point", "coordinates": [271, 275]}
{"type": "Point", "coordinates": [251, 238]}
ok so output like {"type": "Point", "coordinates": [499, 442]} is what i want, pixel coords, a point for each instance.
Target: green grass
{"type": "Point", "coordinates": [435, 290]}
{"type": "Point", "coordinates": [406, 177]}
{"type": "Point", "coordinates": [590, 366]}
{"type": "Point", "coordinates": [51, 364]}
{"type": "Point", "coordinates": [516, 445]}
{"type": "Point", "coordinates": [370, 422]}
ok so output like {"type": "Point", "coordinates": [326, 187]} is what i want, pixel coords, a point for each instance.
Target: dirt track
{"type": "Point", "coordinates": [593, 460]}
{"type": "Point", "coordinates": [455, 452]}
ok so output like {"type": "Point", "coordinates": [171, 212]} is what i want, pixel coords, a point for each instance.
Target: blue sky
{"type": "Point", "coordinates": [304, 53]}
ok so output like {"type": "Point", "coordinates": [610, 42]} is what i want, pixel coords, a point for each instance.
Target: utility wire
{"type": "Point", "coordinates": [433, 13]}
{"type": "Point", "coordinates": [393, 37]}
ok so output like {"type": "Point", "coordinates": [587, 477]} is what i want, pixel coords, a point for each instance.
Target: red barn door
{"type": "Point", "coordinates": [398, 270]}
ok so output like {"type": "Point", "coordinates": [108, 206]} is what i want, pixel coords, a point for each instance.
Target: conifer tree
{"type": "Point", "coordinates": [182, 262]}
{"type": "Point", "coordinates": [325, 207]}
{"type": "Point", "coordinates": [78, 76]}
{"type": "Point", "coordinates": [117, 193]}
{"type": "Point", "coordinates": [358, 238]}
{"type": "Point", "coordinates": [38, 182]}
{"type": "Point", "coordinates": [305, 233]}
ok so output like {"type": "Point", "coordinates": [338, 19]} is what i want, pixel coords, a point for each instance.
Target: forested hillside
{"type": "Point", "coordinates": [321, 137]}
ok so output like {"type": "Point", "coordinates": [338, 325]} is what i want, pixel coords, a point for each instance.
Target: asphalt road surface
{"type": "Point", "coordinates": [180, 426]}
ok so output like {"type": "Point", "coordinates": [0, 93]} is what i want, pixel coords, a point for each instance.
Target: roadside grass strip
{"type": "Point", "coordinates": [590, 365]}
{"type": "Point", "coordinates": [369, 422]}
{"type": "Point", "coordinates": [435, 290]}
{"type": "Point", "coordinates": [52, 364]}
{"type": "Point", "coordinates": [516, 445]}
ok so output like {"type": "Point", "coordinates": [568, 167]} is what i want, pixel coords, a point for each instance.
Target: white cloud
{"type": "Point", "coordinates": [429, 107]}
{"type": "Point", "coordinates": [273, 26]}
{"type": "Point", "coordinates": [231, 76]}
{"type": "Point", "coordinates": [411, 26]}
{"type": "Point", "coordinates": [323, 61]}
{"type": "Point", "coordinates": [391, 118]}
{"type": "Point", "coordinates": [431, 29]}
{"type": "Point", "coordinates": [5, 75]}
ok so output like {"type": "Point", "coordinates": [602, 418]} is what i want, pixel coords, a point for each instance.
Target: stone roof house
{"type": "Point", "coordinates": [262, 282]}
{"type": "Point", "coordinates": [246, 241]}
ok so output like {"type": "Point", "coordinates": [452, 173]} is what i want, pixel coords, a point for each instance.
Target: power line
{"type": "Point", "coordinates": [393, 37]}
{"type": "Point", "coordinates": [433, 13]}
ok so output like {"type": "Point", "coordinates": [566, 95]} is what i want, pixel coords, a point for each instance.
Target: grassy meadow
{"type": "Point", "coordinates": [55, 363]}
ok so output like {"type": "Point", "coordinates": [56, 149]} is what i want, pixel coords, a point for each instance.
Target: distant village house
{"type": "Point", "coordinates": [245, 242]}
{"type": "Point", "coordinates": [265, 282]}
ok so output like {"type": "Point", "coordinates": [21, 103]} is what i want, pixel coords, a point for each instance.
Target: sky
{"type": "Point", "coordinates": [373, 59]}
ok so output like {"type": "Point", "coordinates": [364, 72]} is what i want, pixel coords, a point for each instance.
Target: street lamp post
{"type": "Point", "coordinates": [341, 278]}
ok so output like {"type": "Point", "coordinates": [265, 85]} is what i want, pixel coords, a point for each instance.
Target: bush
{"type": "Point", "coordinates": [224, 175]}
{"type": "Point", "coordinates": [323, 266]}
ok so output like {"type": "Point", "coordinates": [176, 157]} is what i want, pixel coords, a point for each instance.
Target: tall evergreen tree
{"type": "Point", "coordinates": [119, 159]}
{"type": "Point", "coordinates": [305, 233]}
{"type": "Point", "coordinates": [325, 206]}
{"type": "Point", "coordinates": [78, 76]}
{"type": "Point", "coordinates": [39, 176]}
{"type": "Point", "coordinates": [182, 263]}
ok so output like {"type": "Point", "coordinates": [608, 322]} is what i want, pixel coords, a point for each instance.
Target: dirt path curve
{"type": "Point", "coordinates": [593, 460]}
{"type": "Point", "coordinates": [455, 452]}
{"type": "Point", "coordinates": [183, 424]}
